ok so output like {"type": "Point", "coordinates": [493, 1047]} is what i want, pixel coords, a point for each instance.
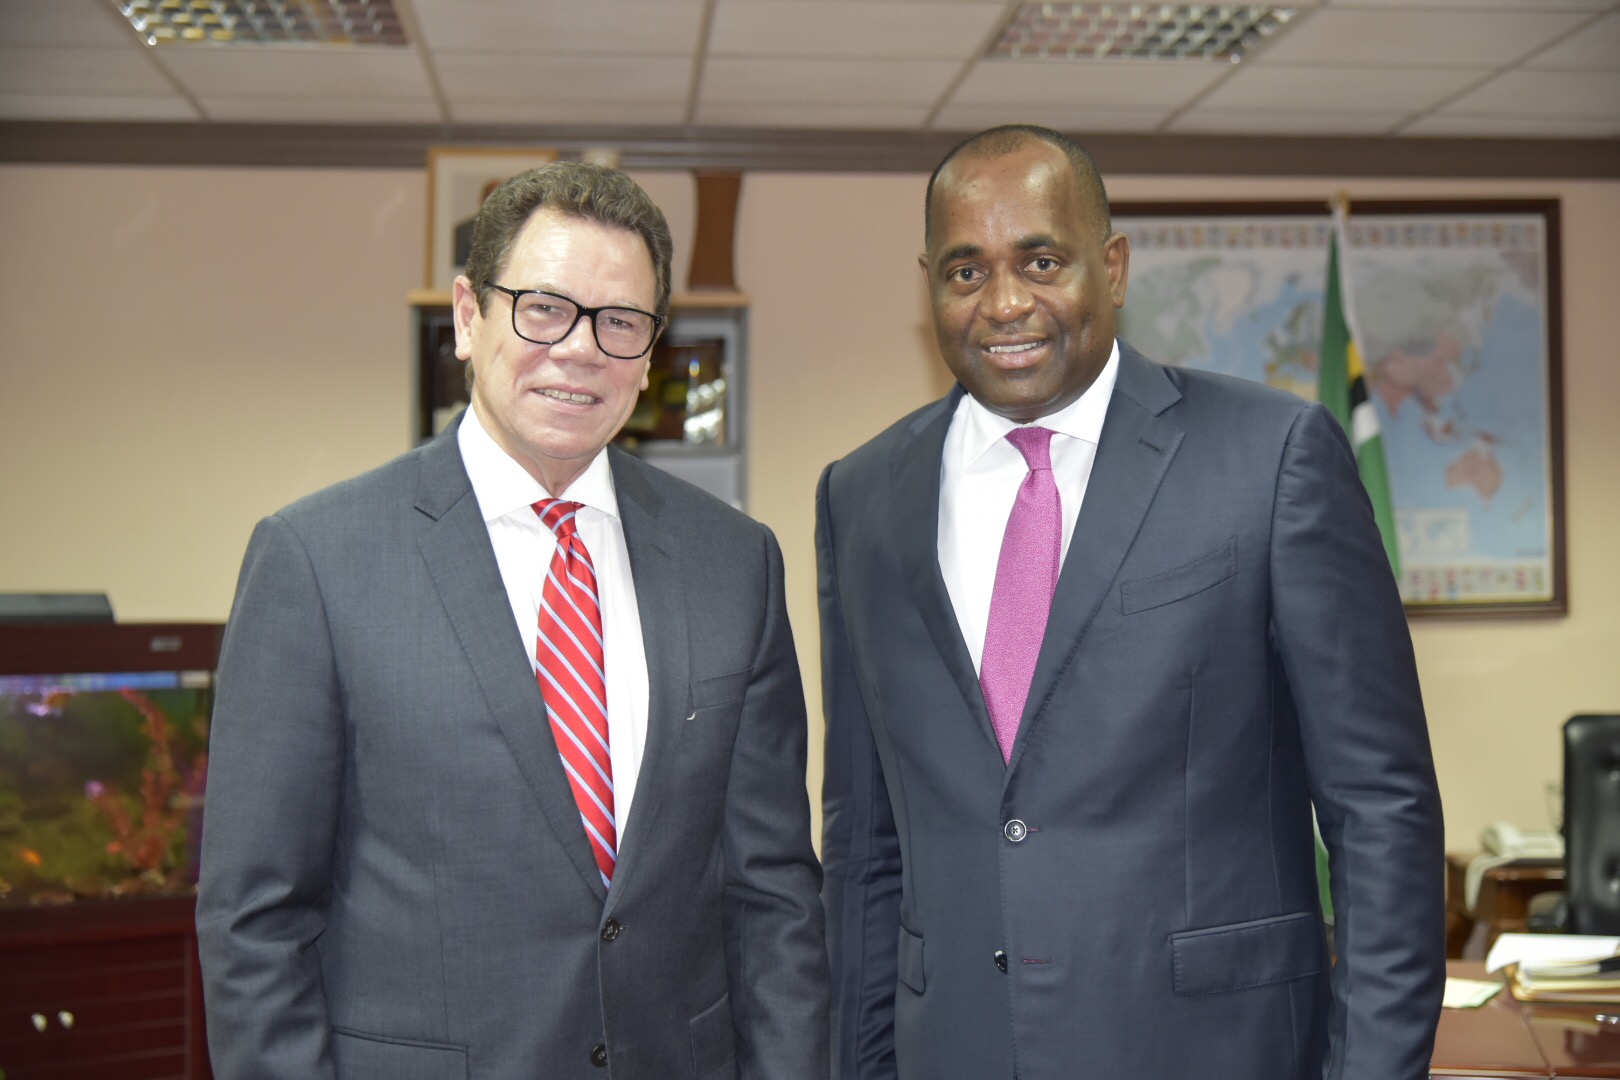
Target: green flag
{"type": "Point", "coordinates": [1342, 387]}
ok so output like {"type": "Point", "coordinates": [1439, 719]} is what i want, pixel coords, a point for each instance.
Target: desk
{"type": "Point", "coordinates": [1504, 897]}
{"type": "Point", "coordinates": [1514, 1039]}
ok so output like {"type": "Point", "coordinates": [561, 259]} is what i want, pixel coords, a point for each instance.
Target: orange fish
{"type": "Point", "coordinates": [31, 857]}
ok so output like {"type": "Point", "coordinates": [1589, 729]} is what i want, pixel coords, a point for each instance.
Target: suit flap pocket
{"type": "Point", "coordinates": [360, 1056]}
{"type": "Point", "coordinates": [911, 960]}
{"type": "Point", "coordinates": [1204, 572]}
{"type": "Point", "coordinates": [714, 1038]}
{"type": "Point", "coordinates": [1241, 955]}
{"type": "Point", "coordinates": [720, 689]}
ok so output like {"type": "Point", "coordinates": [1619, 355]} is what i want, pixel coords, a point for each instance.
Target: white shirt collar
{"type": "Point", "coordinates": [1080, 419]}
{"type": "Point", "coordinates": [502, 486]}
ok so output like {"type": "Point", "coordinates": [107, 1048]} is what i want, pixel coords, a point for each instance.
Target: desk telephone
{"type": "Point", "coordinates": [1501, 838]}
{"type": "Point", "coordinates": [1503, 843]}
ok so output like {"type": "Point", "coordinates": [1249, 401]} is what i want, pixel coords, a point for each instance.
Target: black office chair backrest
{"type": "Point", "coordinates": [1592, 823]}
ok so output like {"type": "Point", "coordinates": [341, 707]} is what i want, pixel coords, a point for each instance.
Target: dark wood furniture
{"type": "Point", "coordinates": [1504, 898]}
{"type": "Point", "coordinates": [1520, 1039]}
{"type": "Point", "coordinates": [101, 988]}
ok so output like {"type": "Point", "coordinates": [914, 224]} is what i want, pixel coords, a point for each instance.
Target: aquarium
{"type": "Point", "coordinates": [102, 771]}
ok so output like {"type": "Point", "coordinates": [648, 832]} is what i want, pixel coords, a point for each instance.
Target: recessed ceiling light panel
{"type": "Point", "coordinates": [1058, 31]}
{"type": "Point", "coordinates": [264, 22]}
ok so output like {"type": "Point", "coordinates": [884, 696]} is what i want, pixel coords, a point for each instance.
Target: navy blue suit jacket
{"type": "Point", "coordinates": [1226, 648]}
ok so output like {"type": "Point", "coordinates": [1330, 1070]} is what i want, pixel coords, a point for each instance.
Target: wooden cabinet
{"type": "Point", "coordinates": [101, 989]}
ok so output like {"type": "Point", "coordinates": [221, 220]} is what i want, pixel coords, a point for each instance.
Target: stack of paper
{"type": "Point", "coordinates": [1559, 967]}
{"type": "Point", "coordinates": [1468, 993]}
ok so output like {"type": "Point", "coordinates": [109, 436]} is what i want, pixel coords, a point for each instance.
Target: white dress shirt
{"type": "Point", "coordinates": [523, 546]}
{"type": "Point", "coordinates": [979, 477]}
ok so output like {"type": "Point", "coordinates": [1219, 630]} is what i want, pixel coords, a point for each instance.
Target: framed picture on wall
{"type": "Point", "coordinates": [459, 179]}
{"type": "Point", "coordinates": [1458, 308]}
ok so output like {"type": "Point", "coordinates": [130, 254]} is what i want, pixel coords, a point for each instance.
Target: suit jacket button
{"type": "Point", "coordinates": [1001, 961]}
{"type": "Point", "coordinates": [599, 1055]}
{"type": "Point", "coordinates": [610, 929]}
{"type": "Point", "coordinates": [1015, 830]}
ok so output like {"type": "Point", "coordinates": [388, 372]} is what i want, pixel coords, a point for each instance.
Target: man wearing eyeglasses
{"type": "Point", "coordinates": [508, 757]}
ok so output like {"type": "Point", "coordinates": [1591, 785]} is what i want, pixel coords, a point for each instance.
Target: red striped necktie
{"type": "Point", "coordinates": [569, 652]}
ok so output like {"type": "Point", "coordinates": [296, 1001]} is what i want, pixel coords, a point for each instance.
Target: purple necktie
{"type": "Point", "coordinates": [1026, 578]}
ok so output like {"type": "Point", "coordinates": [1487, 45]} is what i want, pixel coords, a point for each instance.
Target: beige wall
{"type": "Point", "coordinates": [188, 349]}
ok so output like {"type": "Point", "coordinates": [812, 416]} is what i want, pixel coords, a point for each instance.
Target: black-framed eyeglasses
{"type": "Point", "coordinates": [545, 318]}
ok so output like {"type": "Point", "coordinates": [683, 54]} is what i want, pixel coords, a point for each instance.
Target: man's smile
{"type": "Point", "coordinates": [1009, 354]}
{"type": "Point", "coordinates": [568, 396]}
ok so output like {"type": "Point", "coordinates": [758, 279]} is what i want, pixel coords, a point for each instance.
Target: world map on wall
{"type": "Point", "coordinates": [1452, 316]}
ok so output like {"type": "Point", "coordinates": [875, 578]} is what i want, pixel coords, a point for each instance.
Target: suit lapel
{"type": "Point", "coordinates": [915, 474]}
{"type": "Point", "coordinates": [1138, 442]}
{"type": "Point", "coordinates": [660, 600]}
{"type": "Point", "coordinates": [461, 561]}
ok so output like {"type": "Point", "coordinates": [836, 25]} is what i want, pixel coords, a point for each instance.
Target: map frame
{"type": "Point", "coordinates": [1553, 598]}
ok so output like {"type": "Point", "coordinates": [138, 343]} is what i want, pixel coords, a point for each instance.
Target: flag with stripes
{"type": "Point", "coordinates": [1342, 387]}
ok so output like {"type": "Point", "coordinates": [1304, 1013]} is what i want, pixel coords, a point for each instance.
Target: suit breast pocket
{"type": "Point", "coordinates": [1189, 579]}
{"type": "Point", "coordinates": [718, 690]}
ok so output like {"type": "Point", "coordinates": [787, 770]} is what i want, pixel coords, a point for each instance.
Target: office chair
{"type": "Point", "coordinates": [1592, 823]}
{"type": "Point", "coordinates": [1590, 902]}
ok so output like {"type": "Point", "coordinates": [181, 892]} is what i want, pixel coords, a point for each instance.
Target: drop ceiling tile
{"type": "Point", "coordinates": [1575, 95]}
{"type": "Point", "coordinates": [95, 107]}
{"type": "Point", "coordinates": [1476, 5]}
{"type": "Point", "coordinates": [1130, 83]}
{"type": "Point", "coordinates": [495, 76]}
{"type": "Point", "coordinates": [903, 3]}
{"type": "Point", "coordinates": [1435, 38]}
{"type": "Point", "coordinates": [1512, 126]}
{"type": "Point", "coordinates": [601, 27]}
{"type": "Point", "coordinates": [297, 71]}
{"type": "Point", "coordinates": [63, 22]}
{"type": "Point", "coordinates": [835, 28]}
{"type": "Point", "coordinates": [1075, 119]}
{"type": "Point", "coordinates": [795, 81]}
{"type": "Point", "coordinates": [530, 111]}
{"type": "Point", "coordinates": [321, 110]}
{"type": "Point", "coordinates": [42, 70]}
{"type": "Point", "coordinates": [879, 117]}
{"type": "Point", "coordinates": [1595, 48]}
{"type": "Point", "coordinates": [1268, 88]}
{"type": "Point", "coordinates": [1203, 121]}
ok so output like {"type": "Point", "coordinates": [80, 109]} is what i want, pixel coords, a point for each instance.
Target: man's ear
{"type": "Point", "coordinates": [658, 335]}
{"type": "Point", "coordinates": [1117, 257]}
{"type": "Point", "coordinates": [464, 306]}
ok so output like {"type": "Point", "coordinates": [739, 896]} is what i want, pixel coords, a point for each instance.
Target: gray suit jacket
{"type": "Point", "coordinates": [396, 884]}
{"type": "Point", "coordinates": [1226, 647]}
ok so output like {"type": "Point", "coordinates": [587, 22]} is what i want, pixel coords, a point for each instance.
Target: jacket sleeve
{"type": "Point", "coordinates": [860, 849]}
{"type": "Point", "coordinates": [1346, 650]}
{"type": "Point", "coordinates": [776, 946]}
{"type": "Point", "coordinates": [276, 753]}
